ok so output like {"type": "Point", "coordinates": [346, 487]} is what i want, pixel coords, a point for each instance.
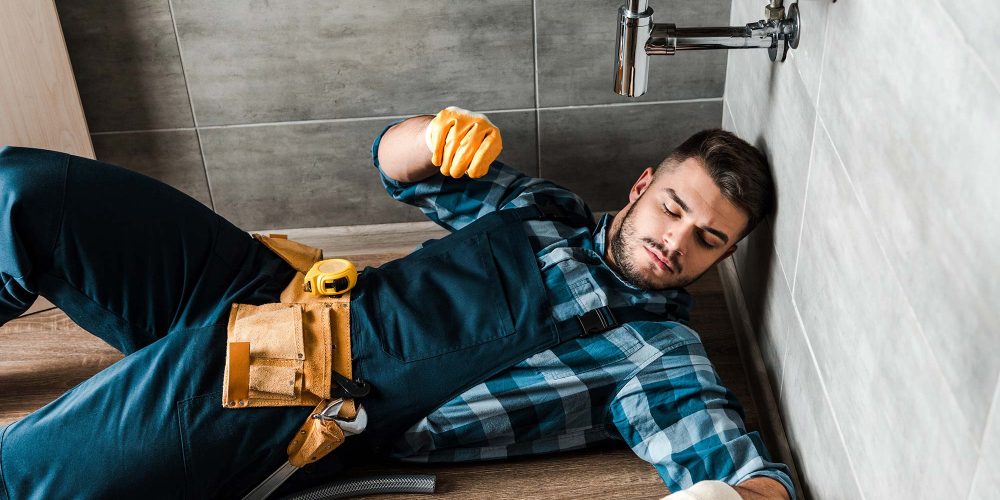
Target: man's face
{"type": "Point", "coordinates": [676, 226]}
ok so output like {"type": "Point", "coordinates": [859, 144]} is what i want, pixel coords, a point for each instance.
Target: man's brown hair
{"type": "Point", "coordinates": [739, 170]}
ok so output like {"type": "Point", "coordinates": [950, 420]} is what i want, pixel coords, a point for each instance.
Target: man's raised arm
{"type": "Point", "coordinates": [462, 147]}
{"type": "Point", "coordinates": [403, 153]}
{"type": "Point", "coordinates": [456, 140]}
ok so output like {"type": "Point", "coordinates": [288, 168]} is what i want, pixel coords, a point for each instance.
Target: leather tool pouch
{"type": "Point", "coordinates": [290, 348]}
{"type": "Point", "coordinates": [282, 354]}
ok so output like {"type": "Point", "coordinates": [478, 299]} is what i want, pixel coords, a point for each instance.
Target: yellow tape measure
{"type": "Point", "coordinates": [330, 277]}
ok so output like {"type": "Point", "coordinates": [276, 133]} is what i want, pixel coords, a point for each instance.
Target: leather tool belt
{"type": "Point", "coordinates": [293, 353]}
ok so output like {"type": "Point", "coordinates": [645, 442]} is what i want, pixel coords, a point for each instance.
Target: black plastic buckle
{"type": "Point", "coordinates": [597, 321]}
{"type": "Point", "coordinates": [350, 388]}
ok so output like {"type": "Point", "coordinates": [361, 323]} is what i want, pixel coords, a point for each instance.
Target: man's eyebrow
{"type": "Point", "coordinates": [722, 236]}
{"type": "Point", "coordinates": [677, 199]}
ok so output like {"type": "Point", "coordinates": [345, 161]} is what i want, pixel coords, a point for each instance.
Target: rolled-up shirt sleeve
{"type": "Point", "coordinates": [453, 203]}
{"type": "Point", "coordinates": [676, 415]}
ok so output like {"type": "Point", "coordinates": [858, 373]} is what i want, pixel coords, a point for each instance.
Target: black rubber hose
{"type": "Point", "coordinates": [370, 485]}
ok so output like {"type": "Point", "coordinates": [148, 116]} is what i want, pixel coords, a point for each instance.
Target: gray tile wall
{"type": "Point", "coordinates": [874, 286]}
{"type": "Point", "coordinates": [266, 111]}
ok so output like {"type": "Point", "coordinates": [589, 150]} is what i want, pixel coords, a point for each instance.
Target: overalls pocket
{"type": "Point", "coordinates": [442, 298]}
{"type": "Point", "coordinates": [226, 452]}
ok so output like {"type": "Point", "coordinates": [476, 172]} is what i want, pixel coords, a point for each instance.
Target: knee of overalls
{"type": "Point", "coordinates": [35, 175]}
{"type": "Point", "coordinates": [32, 189]}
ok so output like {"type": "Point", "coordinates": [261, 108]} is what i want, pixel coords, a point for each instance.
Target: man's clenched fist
{"type": "Point", "coordinates": [462, 141]}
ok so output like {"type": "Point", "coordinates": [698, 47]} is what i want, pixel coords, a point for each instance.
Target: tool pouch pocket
{"type": "Point", "coordinates": [278, 355]}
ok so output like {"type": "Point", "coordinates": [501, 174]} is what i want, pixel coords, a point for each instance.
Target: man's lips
{"type": "Point", "coordinates": [663, 263]}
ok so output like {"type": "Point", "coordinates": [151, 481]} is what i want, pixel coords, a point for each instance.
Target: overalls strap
{"type": "Point", "coordinates": [545, 210]}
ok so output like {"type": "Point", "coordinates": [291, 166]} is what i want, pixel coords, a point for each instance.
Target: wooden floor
{"type": "Point", "coordinates": [45, 354]}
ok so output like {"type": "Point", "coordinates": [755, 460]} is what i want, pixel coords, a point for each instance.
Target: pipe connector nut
{"type": "Point", "coordinates": [774, 13]}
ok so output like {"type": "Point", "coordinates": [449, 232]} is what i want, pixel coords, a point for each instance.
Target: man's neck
{"type": "Point", "coordinates": [609, 232]}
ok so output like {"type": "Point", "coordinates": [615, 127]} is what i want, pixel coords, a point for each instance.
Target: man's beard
{"type": "Point", "coordinates": [620, 250]}
{"type": "Point", "coordinates": [627, 267]}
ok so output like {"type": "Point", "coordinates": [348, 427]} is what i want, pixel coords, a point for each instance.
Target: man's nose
{"type": "Point", "coordinates": [678, 239]}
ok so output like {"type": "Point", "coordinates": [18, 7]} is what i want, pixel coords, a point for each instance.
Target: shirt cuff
{"type": "Point", "coordinates": [778, 476]}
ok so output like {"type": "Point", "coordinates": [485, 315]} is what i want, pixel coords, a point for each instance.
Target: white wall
{"type": "Point", "coordinates": [876, 286]}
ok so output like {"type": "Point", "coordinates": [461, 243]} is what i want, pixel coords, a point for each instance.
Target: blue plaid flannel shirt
{"type": "Point", "coordinates": [647, 383]}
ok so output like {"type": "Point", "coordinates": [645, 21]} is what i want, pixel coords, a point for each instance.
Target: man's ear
{"type": "Point", "coordinates": [641, 184]}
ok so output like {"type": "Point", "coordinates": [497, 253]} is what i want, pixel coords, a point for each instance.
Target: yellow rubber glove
{"type": "Point", "coordinates": [462, 142]}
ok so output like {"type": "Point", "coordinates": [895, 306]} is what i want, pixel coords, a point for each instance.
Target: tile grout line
{"type": "Point", "coordinates": [538, 118]}
{"type": "Point", "coordinates": [812, 147]}
{"type": "Point", "coordinates": [798, 255]}
{"type": "Point", "coordinates": [194, 116]}
{"type": "Point", "coordinates": [784, 352]}
{"type": "Point", "coordinates": [625, 104]}
{"type": "Point", "coordinates": [788, 284]}
{"type": "Point", "coordinates": [145, 131]}
{"type": "Point", "coordinates": [993, 411]}
{"type": "Point", "coordinates": [791, 298]}
{"type": "Point", "coordinates": [784, 275]}
{"type": "Point", "coordinates": [204, 166]}
{"type": "Point", "coordinates": [822, 61]}
{"type": "Point", "coordinates": [798, 71]}
{"type": "Point", "coordinates": [736, 129]}
{"type": "Point", "coordinates": [826, 398]}
{"type": "Point", "coordinates": [899, 283]}
{"type": "Point", "coordinates": [394, 117]}
{"type": "Point", "coordinates": [805, 204]}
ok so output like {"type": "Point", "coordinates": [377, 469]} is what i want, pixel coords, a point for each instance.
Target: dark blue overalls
{"type": "Point", "coordinates": [153, 273]}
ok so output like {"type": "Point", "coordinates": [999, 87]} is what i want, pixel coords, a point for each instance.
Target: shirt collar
{"type": "Point", "coordinates": [601, 233]}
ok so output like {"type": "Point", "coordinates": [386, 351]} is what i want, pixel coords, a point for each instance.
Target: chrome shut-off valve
{"type": "Point", "coordinates": [638, 37]}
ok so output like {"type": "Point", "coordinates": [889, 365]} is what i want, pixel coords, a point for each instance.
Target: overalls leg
{"type": "Point", "coordinates": [150, 426]}
{"type": "Point", "coordinates": [126, 257]}
{"type": "Point", "coordinates": [27, 229]}
{"type": "Point", "coordinates": [152, 272]}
